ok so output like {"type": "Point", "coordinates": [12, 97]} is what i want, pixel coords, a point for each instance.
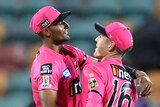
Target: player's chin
{"type": "Point", "coordinates": [63, 40]}
{"type": "Point", "coordinates": [67, 37]}
{"type": "Point", "coordinates": [95, 54]}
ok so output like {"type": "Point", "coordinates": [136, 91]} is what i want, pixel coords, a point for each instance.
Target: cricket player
{"type": "Point", "coordinates": [107, 83]}
{"type": "Point", "coordinates": [55, 70]}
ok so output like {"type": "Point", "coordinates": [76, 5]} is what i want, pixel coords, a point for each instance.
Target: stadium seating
{"type": "Point", "coordinates": [33, 5]}
{"type": "Point", "coordinates": [136, 20]}
{"type": "Point", "coordinates": [11, 6]}
{"type": "Point", "coordinates": [104, 6]}
{"type": "Point", "coordinates": [16, 100]}
{"type": "Point", "coordinates": [87, 45]}
{"type": "Point", "coordinates": [19, 92]}
{"type": "Point", "coordinates": [144, 7]}
{"type": "Point", "coordinates": [19, 82]}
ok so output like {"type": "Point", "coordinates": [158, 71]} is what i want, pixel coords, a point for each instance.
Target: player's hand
{"type": "Point", "coordinates": [144, 81]}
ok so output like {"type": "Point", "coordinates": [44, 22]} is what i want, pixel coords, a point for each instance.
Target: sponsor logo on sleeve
{"type": "Point", "coordinates": [46, 81]}
{"type": "Point", "coordinates": [66, 73]}
{"type": "Point", "coordinates": [46, 69]}
{"type": "Point", "coordinates": [75, 87]}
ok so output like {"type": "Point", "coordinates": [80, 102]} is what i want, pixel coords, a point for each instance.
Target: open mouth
{"type": "Point", "coordinates": [96, 46]}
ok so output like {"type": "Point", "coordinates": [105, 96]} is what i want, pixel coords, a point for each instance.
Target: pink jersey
{"type": "Point", "coordinates": [107, 84]}
{"type": "Point", "coordinates": [61, 72]}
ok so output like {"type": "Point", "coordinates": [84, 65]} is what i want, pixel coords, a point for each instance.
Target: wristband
{"type": "Point", "coordinates": [131, 71]}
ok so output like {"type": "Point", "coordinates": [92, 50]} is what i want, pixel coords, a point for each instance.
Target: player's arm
{"type": "Point", "coordinates": [142, 79]}
{"type": "Point", "coordinates": [48, 98]}
{"type": "Point", "coordinates": [47, 84]}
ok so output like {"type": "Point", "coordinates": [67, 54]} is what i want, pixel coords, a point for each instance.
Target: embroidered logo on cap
{"type": "Point", "coordinates": [45, 23]}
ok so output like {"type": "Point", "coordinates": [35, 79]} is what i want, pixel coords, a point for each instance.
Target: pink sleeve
{"type": "Point", "coordinates": [48, 77]}
{"type": "Point", "coordinates": [93, 87]}
{"type": "Point", "coordinates": [83, 58]}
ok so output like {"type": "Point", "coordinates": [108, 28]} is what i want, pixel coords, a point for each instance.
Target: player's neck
{"type": "Point", "coordinates": [56, 48]}
{"type": "Point", "coordinates": [112, 55]}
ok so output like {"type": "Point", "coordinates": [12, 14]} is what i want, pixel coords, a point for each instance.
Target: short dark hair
{"type": "Point", "coordinates": [126, 51]}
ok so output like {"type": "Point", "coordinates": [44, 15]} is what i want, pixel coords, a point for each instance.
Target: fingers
{"type": "Point", "coordinates": [146, 87]}
{"type": "Point", "coordinates": [139, 82]}
{"type": "Point", "coordinates": [146, 90]}
{"type": "Point", "coordinates": [145, 83]}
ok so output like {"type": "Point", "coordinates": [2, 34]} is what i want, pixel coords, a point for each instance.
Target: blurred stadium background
{"type": "Point", "coordinates": [18, 44]}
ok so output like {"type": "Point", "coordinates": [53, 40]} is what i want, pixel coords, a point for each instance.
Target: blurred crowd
{"type": "Point", "coordinates": [18, 44]}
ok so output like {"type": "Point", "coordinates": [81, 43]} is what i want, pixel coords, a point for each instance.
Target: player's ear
{"type": "Point", "coordinates": [112, 46]}
{"type": "Point", "coordinates": [46, 32]}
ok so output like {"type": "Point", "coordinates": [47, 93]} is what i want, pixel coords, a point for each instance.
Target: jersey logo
{"type": "Point", "coordinates": [46, 82]}
{"type": "Point", "coordinates": [66, 73]}
{"type": "Point", "coordinates": [75, 87]}
{"type": "Point", "coordinates": [46, 69]}
{"type": "Point", "coordinates": [93, 83]}
{"type": "Point", "coordinates": [120, 72]}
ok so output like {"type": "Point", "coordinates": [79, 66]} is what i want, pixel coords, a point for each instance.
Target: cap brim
{"type": "Point", "coordinates": [100, 28]}
{"type": "Point", "coordinates": [62, 16]}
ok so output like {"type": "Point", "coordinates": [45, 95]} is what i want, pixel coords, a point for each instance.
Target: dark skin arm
{"type": "Point", "coordinates": [48, 98]}
{"type": "Point", "coordinates": [144, 81]}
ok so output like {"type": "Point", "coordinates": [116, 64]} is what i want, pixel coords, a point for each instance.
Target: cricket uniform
{"type": "Point", "coordinates": [60, 72]}
{"type": "Point", "coordinates": [107, 84]}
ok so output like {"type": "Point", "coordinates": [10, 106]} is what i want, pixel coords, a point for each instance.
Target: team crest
{"type": "Point", "coordinates": [93, 83]}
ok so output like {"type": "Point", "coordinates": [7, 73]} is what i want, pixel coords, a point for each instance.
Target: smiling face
{"type": "Point", "coordinates": [58, 33]}
{"type": "Point", "coordinates": [102, 45]}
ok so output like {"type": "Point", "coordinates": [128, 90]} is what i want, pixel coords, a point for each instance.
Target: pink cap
{"type": "Point", "coordinates": [118, 33]}
{"type": "Point", "coordinates": [45, 17]}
